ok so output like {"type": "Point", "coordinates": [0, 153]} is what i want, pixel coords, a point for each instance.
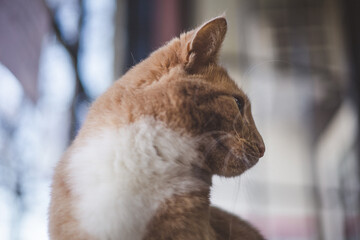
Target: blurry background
{"type": "Point", "coordinates": [298, 60]}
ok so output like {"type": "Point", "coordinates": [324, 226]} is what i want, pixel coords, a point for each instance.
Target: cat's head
{"type": "Point", "coordinates": [182, 85]}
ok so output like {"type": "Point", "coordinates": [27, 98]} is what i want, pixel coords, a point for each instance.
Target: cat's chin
{"type": "Point", "coordinates": [238, 164]}
{"type": "Point", "coordinates": [235, 160]}
{"type": "Point", "coordinates": [232, 158]}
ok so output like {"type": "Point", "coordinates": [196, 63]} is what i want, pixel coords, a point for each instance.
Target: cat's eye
{"type": "Point", "coordinates": [240, 103]}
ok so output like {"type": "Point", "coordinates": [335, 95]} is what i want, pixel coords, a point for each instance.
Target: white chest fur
{"type": "Point", "coordinates": [121, 176]}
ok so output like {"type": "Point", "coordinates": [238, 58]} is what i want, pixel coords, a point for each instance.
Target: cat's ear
{"type": "Point", "coordinates": [205, 44]}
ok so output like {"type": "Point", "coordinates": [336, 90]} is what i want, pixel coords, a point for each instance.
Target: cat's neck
{"type": "Point", "coordinates": [185, 216]}
{"type": "Point", "coordinates": [132, 174]}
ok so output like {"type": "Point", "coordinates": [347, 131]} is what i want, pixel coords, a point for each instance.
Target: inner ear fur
{"type": "Point", "coordinates": [205, 44]}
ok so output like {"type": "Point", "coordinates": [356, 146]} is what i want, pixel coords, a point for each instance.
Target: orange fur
{"type": "Point", "coordinates": [182, 86]}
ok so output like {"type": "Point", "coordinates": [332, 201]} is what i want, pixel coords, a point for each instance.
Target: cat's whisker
{"type": "Point", "coordinates": [207, 134]}
{"type": "Point", "coordinates": [132, 56]}
{"type": "Point", "coordinates": [237, 191]}
{"type": "Point", "coordinates": [234, 122]}
{"type": "Point", "coordinates": [226, 160]}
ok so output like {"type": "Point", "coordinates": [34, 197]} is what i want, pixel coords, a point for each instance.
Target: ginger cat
{"type": "Point", "coordinates": [141, 166]}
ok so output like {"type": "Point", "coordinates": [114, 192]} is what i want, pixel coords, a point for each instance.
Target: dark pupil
{"type": "Point", "coordinates": [240, 105]}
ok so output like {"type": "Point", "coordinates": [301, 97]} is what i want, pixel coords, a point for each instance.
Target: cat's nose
{"type": "Point", "coordinates": [259, 142]}
{"type": "Point", "coordinates": [261, 148]}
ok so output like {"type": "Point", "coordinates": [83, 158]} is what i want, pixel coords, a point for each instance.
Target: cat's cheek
{"type": "Point", "coordinates": [229, 158]}
{"type": "Point", "coordinates": [220, 162]}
